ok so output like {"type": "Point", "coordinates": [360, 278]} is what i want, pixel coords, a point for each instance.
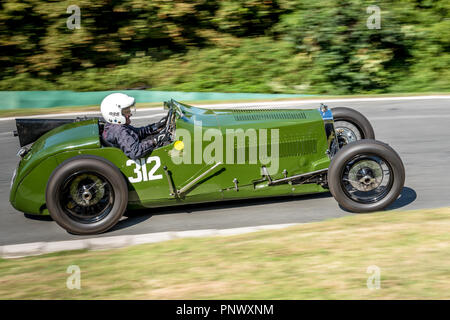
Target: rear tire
{"type": "Point", "coordinates": [86, 195]}
{"type": "Point", "coordinates": [351, 125]}
{"type": "Point", "coordinates": [366, 176]}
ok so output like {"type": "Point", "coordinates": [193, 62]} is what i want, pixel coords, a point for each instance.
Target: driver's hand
{"type": "Point", "coordinates": [161, 139]}
{"type": "Point", "coordinates": [157, 126]}
{"type": "Point", "coordinates": [161, 123]}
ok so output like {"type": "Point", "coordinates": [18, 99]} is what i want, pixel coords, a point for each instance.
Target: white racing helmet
{"type": "Point", "coordinates": [112, 106]}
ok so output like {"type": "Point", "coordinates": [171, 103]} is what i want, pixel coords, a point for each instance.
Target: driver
{"type": "Point", "coordinates": [134, 142]}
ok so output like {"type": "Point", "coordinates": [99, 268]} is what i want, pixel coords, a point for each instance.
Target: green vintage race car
{"type": "Point", "coordinates": [85, 184]}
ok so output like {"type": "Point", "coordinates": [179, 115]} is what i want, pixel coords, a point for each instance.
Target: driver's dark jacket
{"type": "Point", "coordinates": [129, 139]}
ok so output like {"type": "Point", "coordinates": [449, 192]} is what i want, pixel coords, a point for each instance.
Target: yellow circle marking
{"type": "Point", "coordinates": [179, 145]}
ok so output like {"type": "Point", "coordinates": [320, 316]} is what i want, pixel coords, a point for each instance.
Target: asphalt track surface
{"type": "Point", "coordinates": [417, 128]}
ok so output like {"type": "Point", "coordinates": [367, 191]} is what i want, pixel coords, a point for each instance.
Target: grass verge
{"type": "Point", "coordinates": [323, 260]}
{"type": "Point", "coordinates": [30, 112]}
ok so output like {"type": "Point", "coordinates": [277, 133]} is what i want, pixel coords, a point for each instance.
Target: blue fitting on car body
{"type": "Point", "coordinates": [325, 112]}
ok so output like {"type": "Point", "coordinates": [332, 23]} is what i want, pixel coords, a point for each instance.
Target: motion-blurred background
{"type": "Point", "coordinates": [304, 46]}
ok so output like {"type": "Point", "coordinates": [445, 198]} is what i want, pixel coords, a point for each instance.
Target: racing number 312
{"type": "Point", "coordinates": [141, 169]}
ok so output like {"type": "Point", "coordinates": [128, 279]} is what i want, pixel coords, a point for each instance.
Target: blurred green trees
{"type": "Point", "coordinates": [321, 46]}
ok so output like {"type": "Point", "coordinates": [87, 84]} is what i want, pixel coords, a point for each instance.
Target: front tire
{"type": "Point", "coordinates": [351, 125]}
{"type": "Point", "coordinates": [366, 176]}
{"type": "Point", "coordinates": [86, 195]}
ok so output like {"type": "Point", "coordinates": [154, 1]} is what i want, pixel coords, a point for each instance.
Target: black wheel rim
{"type": "Point", "coordinates": [86, 197]}
{"type": "Point", "coordinates": [346, 132]}
{"type": "Point", "coordinates": [367, 178]}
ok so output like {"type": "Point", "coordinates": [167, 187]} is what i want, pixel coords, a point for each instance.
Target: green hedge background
{"type": "Point", "coordinates": [266, 46]}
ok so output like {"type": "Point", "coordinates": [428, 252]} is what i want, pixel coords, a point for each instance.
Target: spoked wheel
{"type": "Point", "coordinates": [346, 132]}
{"type": "Point", "coordinates": [367, 179]}
{"type": "Point", "coordinates": [366, 176]}
{"type": "Point", "coordinates": [86, 195]}
{"type": "Point", "coordinates": [350, 125]}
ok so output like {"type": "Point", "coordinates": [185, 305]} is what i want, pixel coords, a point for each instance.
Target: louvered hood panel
{"type": "Point", "coordinates": [292, 123]}
{"type": "Point", "coordinates": [267, 115]}
{"type": "Point", "coordinates": [270, 117]}
{"type": "Point", "coordinates": [301, 132]}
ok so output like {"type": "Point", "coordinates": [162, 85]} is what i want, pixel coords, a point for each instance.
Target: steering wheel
{"type": "Point", "coordinates": [168, 122]}
{"type": "Point", "coordinates": [165, 132]}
